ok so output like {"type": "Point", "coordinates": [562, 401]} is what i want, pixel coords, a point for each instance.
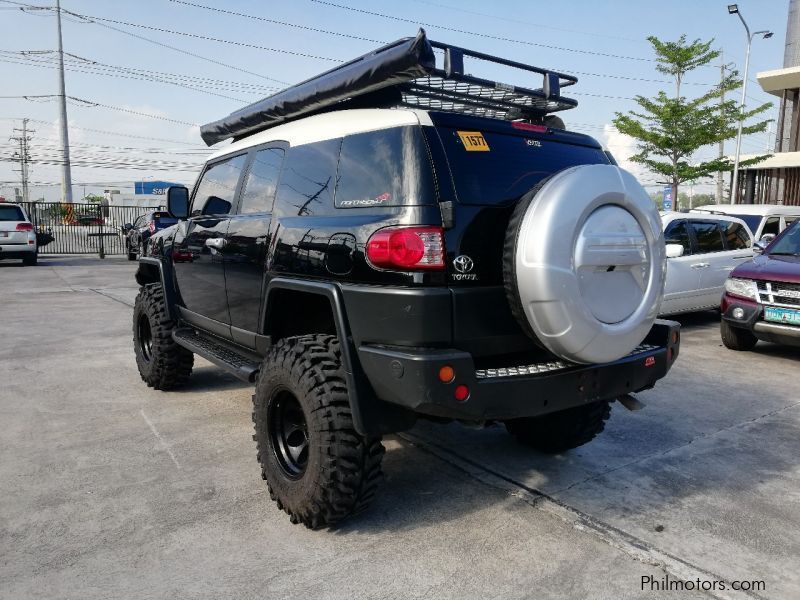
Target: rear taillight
{"type": "Point", "coordinates": [152, 226]}
{"type": "Point", "coordinates": [24, 227]}
{"type": "Point", "coordinates": [407, 248]}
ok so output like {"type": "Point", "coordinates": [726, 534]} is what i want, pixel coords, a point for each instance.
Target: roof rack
{"type": "Point", "coordinates": [403, 73]}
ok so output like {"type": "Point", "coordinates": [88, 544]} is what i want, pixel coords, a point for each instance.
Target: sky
{"type": "Point", "coordinates": [130, 121]}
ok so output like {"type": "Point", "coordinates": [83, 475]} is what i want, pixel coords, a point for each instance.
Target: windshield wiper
{"type": "Point", "coordinates": [784, 253]}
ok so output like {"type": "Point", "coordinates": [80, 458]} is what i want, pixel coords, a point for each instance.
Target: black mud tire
{"type": "Point", "coordinates": [163, 364]}
{"type": "Point", "coordinates": [341, 471]}
{"type": "Point", "coordinates": [32, 260]}
{"type": "Point", "coordinates": [129, 252]}
{"type": "Point", "coordinates": [563, 430]}
{"type": "Point", "coordinates": [736, 338]}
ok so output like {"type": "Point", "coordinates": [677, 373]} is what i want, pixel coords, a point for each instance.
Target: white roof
{"type": "Point", "coordinates": [774, 82]}
{"type": "Point", "coordinates": [330, 125]}
{"type": "Point", "coordinates": [779, 160]}
{"type": "Point", "coordinates": [750, 209]}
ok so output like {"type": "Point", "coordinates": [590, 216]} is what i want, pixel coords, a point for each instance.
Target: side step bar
{"type": "Point", "coordinates": [236, 363]}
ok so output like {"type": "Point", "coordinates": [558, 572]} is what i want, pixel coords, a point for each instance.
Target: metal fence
{"type": "Point", "coordinates": [82, 228]}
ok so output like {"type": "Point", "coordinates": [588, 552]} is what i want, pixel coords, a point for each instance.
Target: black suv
{"type": "Point", "coordinates": [139, 232]}
{"type": "Point", "coordinates": [393, 241]}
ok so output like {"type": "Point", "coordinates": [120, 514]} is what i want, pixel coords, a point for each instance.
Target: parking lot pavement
{"type": "Point", "coordinates": [111, 489]}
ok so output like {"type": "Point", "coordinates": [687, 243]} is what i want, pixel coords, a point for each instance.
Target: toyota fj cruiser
{"type": "Point", "coordinates": [392, 240]}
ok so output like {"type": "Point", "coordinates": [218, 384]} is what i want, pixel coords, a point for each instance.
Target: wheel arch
{"type": "Point", "coordinates": [153, 270]}
{"type": "Point", "coordinates": [322, 305]}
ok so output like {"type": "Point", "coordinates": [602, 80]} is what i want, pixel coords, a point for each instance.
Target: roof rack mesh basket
{"type": "Point", "coordinates": [403, 73]}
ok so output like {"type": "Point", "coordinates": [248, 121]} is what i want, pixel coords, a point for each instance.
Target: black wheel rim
{"type": "Point", "coordinates": [288, 432]}
{"type": "Point", "coordinates": [145, 336]}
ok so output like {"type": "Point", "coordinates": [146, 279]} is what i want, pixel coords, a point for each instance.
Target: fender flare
{"type": "Point", "coordinates": [371, 417]}
{"type": "Point", "coordinates": [166, 277]}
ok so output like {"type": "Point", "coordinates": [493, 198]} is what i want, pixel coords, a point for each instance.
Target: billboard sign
{"type": "Point", "coordinates": [667, 203]}
{"type": "Point", "coordinates": [153, 188]}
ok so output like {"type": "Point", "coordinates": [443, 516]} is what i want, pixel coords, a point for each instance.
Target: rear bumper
{"type": "Point", "coordinates": [16, 250]}
{"type": "Point", "coordinates": [752, 319]}
{"type": "Point", "coordinates": [409, 377]}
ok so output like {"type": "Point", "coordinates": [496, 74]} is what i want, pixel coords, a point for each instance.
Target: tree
{"type": "Point", "coordinates": [92, 198]}
{"type": "Point", "coordinates": [670, 130]}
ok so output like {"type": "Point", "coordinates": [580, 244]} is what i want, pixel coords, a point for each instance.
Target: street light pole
{"type": "Point", "coordinates": [734, 9]}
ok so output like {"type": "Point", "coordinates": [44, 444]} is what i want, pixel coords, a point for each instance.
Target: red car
{"type": "Point", "coordinates": [762, 297]}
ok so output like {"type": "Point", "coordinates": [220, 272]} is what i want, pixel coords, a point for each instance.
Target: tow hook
{"type": "Point", "coordinates": [630, 402]}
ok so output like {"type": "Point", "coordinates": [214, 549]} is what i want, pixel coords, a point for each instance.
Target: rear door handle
{"type": "Point", "coordinates": [215, 243]}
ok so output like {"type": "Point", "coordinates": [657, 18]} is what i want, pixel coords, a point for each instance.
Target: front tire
{"type": "Point", "coordinates": [563, 430]}
{"type": "Point", "coordinates": [318, 469]}
{"type": "Point", "coordinates": [163, 364]}
{"type": "Point", "coordinates": [736, 338]}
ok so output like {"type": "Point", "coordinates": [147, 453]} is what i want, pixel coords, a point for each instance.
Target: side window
{"type": "Point", "coordinates": [708, 236]}
{"type": "Point", "coordinates": [389, 167]}
{"type": "Point", "coordinates": [262, 181]}
{"type": "Point", "coordinates": [308, 179]}
{"type": "Point", "coordinates": [217, 187]}
{"type": "Point", "coordinates": [789, 219]}
{"type": "Point", "coordinates": [773, 226]}
{"type": "Point", "coordinates": [736, 237]}
{"type": "Point", "coordinates": [678, 233]}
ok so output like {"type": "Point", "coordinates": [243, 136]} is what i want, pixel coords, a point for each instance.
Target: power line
{"type": "Point", "coordinates": [479, 34]}
{"type": "Point", "coordinates": [94, 19]}
{"type": "Point", "coordinates": [275, 22]}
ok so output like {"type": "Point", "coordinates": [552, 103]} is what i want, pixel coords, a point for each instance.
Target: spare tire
{"type": "Point", "coordinates": [584, 263]}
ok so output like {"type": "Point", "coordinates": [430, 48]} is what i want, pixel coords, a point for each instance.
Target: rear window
{"type": "Point", "coordinates": [164, 219]}
{"type": "Point", "coordinates": [498, 168]}
{"type": "Point", "coordinates": [11, 213]}
{"type": "Point", "coordinates": [389, 167]}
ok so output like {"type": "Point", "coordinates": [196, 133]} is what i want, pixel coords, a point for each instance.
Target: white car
{"type": "Point", "coordinates": [762, 219]}
{"type": "Point", "coordinates": [702, 250]}
{"type": "Point", "coordinates": [17, 237]}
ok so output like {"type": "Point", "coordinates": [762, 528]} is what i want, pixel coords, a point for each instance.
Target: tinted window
{"type": "Point", "coordinates": [384, 168]}
{"type": "Point", "coordinates": [773, 225]}
{"type": "Point", "coordinates": [678, 233]}
{"type": "Point", "coordinates": [503, 167]}
{"type": "Point", "coordinates": [736, 237]}
{"type": "Point", "coordinates": [262, 181]}
{"type": "Point", "coordinates": [11, 213]}
{"type": "Point", "coordinates": [308, 179]}
{"type": "Point", "coordinates": [790, 219]}
{"type": "Point", "coordinates": [708, 235]}
{"type": "Point", "coordinates": [164, 220]}
{"type": "Point", "coordinates": [753, 221]}
{"type": "Point", "coordinates": [789, 243]}
{"type": "Point", "coordinates": [216, 189]}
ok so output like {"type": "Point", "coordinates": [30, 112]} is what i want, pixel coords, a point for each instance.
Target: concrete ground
{"type": "Point", "coordinates": [113, 490]}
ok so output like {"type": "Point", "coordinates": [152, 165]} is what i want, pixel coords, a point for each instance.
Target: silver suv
{"type": "Point", "coordinates": [17, 236]}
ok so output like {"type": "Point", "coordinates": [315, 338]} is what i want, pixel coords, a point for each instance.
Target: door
{"type": "Point", "coordinates": [197, 255]}
{"type": "Point", "coordinates": [247, 241]}
{"type": "Point", "coordinates": [715, 262]}
{"type": "Point", "coordinates": [683, 276]}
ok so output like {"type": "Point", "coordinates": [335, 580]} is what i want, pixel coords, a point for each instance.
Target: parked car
{"type": "Point", "coordinates": [367, 267]}
{"type": "Point", "coordinates": [762, 297]}
{"type": "Point", "coordinates": [764, 220]}
{"type": "Point", "coordinates": [702, 250]}
{"type": "Point", "coordinates": [17, 237]}
{"type": "Point", "coordinates": [138, 232]}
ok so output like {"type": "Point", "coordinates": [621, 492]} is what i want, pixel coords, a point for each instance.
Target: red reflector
{"type": "Point", "coordinates": [529, 127]}
{"type": "Point", "coordinates": [24, 227]}
{"type": "Point", "coordinates": [461, 393]}
{"type": "Point", "coordinates": [407, 248]}
{"type": "Point", "coordinates": [649, 361]}
{"type": "Point", "coordinates": [670, 354]}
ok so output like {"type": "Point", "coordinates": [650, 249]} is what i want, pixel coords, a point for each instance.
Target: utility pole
{"type": "Point", "coordinates": [720, 175]}
{"type": "Point", "coordinates": [24, 156]}
{"type": "Point", "coordinates": [66, 173]}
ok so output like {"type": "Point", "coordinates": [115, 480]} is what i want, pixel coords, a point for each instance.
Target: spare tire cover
{"type": "Point", "coordinates": [586, 263]}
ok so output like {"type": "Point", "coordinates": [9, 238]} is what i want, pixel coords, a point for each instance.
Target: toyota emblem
{"type": "Point", "coordinates": [463, 264]}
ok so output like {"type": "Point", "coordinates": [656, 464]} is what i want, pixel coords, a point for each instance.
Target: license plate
{"type": "Point", "coordinates": [3, 234]}
{"type": "Point", "coordinates": [782, 315]}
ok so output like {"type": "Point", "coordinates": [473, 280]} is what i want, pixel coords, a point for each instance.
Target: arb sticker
{"type": "Point", "coordinates": [473, 141]}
